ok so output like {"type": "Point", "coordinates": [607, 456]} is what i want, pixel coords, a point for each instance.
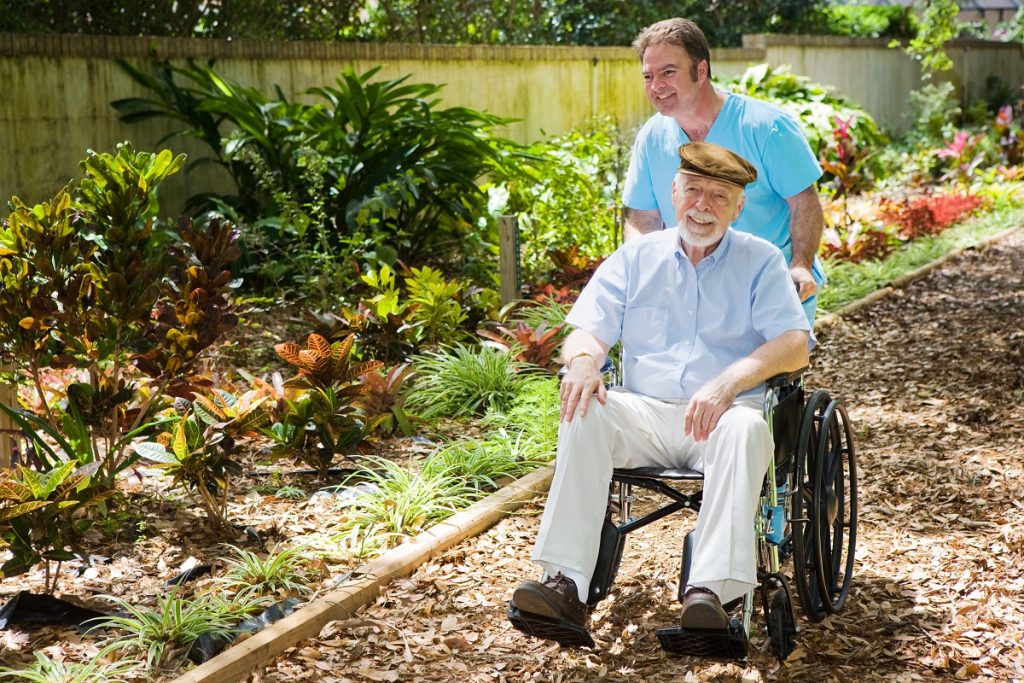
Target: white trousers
{"type": "Point", "coordinates": [632, 430]}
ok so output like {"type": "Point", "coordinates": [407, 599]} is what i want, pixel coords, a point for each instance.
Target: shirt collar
{"type": "Point", "coordinates": [712, 258]}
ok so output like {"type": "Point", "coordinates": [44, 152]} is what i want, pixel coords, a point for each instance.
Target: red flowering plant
{"type": "Point", "coordinates": [961, 157]}
{"type": "Point", "coordinates": [927, 214]}
{"type": "Point", "coordinates": [846, 160]}
{"type": "Point", "coordinates": [572, 270]}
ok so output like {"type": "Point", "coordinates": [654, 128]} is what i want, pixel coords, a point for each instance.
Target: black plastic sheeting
{"type": "Point", "coordinates": [44, 610]}
{"type": "Point", "coordinates": [32, 609]}
{"type": "Point", "coordinates": [208, 647]}
{"type": "Point", "coordinates": [190, 574]}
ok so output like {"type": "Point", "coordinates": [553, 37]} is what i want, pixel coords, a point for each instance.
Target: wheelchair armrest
{"type": "Point", "coordinates": [785, 379]}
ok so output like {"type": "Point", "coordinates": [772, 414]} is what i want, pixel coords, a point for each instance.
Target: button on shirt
{"type": "Point", "coordinates": [681, 325]}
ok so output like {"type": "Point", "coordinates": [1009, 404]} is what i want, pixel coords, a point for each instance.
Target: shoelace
{"type": "Point", "coordinates": [560, 582]}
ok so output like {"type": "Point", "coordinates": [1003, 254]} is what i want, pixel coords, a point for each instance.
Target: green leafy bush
{"type": "Point", "coordinates": [535, 411]}
{"type": "Point", "coordinates": [868, 21]}
{"type": "Point", "coordinates": [42, 516]}
{"type": "Point", "coordinates": [568, 195]}
{"type": "Point", "coordinates": [482, 463]}
{"type": "Point", "coordinates": [372, 170]}
{"type": "Point", "coordinates": [326, 419]}
{"type": "Point", "coordinates": [401, 501]}
{"type": "Point", "coordinates": [393, 319]}
{"type": "Point", "coordinates": [92, 280]}
{"type": "Point", "coordinates": [277, 573]}
{"type": "Point", "coordinates": [165, 633]}
{"type": "Point", "coordinates": [48, 670]}
{"type": "Point", "coordinates": [459, 381]}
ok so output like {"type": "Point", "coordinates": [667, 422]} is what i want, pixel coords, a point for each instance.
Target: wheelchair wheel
{"type": "Point", "coordinates": [833, 512]}
{"type": "Point", "coordinates": [805, 541]}
{"type": "Point", "coordinates": [781, 623]}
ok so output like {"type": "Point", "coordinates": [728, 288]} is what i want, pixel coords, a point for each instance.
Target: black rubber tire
{"type": "Point", "coordinates": [834, 508]}
{"type": "Point", "coordinates": [781, 624]}
{"type": "Point", "coordinates": [805, 555]}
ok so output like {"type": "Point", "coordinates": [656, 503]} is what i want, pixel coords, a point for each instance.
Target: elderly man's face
{"type": "Point", "coordinates": [705, 207]}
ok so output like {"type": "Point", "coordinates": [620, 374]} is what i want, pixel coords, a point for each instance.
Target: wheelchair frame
{"type": "Point", "coordinates": [807, 511]}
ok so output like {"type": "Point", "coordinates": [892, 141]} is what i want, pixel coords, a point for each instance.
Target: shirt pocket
{"type": "Point", "coordinates": [644, 329]}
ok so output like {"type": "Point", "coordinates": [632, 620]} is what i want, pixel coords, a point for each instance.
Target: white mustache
{"type": "Point", "coordinates": [702, 216]}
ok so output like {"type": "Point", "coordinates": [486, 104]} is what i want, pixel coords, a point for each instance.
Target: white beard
{"type": "Point", "coordinates": [699, 241]}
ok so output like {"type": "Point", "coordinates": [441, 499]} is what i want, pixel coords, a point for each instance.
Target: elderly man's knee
{"type": "Point", "coordinates": [597, 415]}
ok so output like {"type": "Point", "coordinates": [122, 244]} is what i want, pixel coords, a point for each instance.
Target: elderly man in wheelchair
{"type": "Point", "coordinates": [705, 316]}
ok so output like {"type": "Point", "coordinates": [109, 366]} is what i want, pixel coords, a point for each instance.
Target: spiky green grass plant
{"type": "Point", "coordinates": [165, 632]}
{"type": "Point", "coordinates": [48, 670]}
{"type": "Point", "coordinates": [277, 573]}
{"type": "Point", "coordinates": [404, 501]}
{"type": "Point", "coordinates": [460, 381]}
{"type": "Point", "coordinates": [480, 463]}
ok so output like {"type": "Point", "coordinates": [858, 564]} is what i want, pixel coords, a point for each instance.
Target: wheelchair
{"type": "Point", "coordinates": [807, 513]}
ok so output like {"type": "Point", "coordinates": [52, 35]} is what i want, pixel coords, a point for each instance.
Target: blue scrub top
{"type": "Point", "coordinates": [761, 133]}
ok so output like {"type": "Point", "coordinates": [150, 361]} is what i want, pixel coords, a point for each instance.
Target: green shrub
{"type": "Point", "coordinates": [459, 381]}
{"type": "Point", "coordinates": [327, 418]}
{"type": "Point", "coordinates": [92, 280]}
{"type": "Point", "coordinates": [165, 633]}
{"type": "Point", "coordinates": [481, 463]}
{"type": "Point", "coordinates": [279, 573]}
{"type": "Point", "coordinates": [535, 410]}
{"type": "Point", "coordinates": [402, 502]}
{"type": "Point", "coordinates": [569, 196]}
{"type": "Point", "coordinates": [866, 21]}
{"type": "Point", "coordinates": [42, 516]}
{"type": "Point", "coordinates": [372, 170]}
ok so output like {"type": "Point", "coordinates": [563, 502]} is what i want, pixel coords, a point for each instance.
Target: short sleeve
{"type": "Point", "coordinates": [776, 307]}
{"type": "Point", "coordinates": [638, 189]}
{"type": "Point", "coordinates": [790, 164]}
{"type": "Point", "coordinates": [601, 306]}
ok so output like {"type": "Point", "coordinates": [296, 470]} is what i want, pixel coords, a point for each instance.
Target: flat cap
{"type": "Point", "coordinates": [714, 161]}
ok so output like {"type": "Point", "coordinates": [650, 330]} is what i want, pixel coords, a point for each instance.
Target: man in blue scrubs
{"type": "Point", "coordinates": [782, 205]}
{"type": "Point", "coordinates": [705, 315]}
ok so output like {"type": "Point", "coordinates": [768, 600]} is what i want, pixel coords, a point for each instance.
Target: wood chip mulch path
{"type": "Point", "coordinates": [934, 380]}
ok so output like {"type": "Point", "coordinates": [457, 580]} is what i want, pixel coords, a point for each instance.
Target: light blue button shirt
{"type": "Point", "coordinates": [681, 325]}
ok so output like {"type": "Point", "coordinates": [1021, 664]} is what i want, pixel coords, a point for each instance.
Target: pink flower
{"type": "Point", "coordinates": [955, 148]}
{"type": "Point", "coordinates": [842, 129]}
{"type": "Point", "coordinates": [1005, 115]}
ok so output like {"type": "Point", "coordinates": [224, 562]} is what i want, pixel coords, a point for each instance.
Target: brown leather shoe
{"type": "Point", "coordinates": [555, 598]}
{"type": "Point", "coordinates": [702, 609]}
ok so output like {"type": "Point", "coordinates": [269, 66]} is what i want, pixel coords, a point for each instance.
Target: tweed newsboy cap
{"type": "Point", "coordinates": [714, 161]}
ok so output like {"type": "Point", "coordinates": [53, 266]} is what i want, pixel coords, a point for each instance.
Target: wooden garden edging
{"type": "Point", "coordinates": [237, 661]}
{"type": "Point", "coordinates": [341, 603]}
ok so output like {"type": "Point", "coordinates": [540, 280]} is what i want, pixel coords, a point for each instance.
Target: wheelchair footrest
{"type": "Point", "coordinates": [730, 643]}
{"type": "Point", "coordinates": [565, 633]}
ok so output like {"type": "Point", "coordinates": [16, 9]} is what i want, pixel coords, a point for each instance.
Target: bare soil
{"type": "Point", "coordinates": [934, 379]}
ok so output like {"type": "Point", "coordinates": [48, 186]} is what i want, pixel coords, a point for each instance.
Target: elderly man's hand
{"type": "Point", "coordinates": [706, 407]}
{"type": "Point", "coordinates": [579, 385]}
